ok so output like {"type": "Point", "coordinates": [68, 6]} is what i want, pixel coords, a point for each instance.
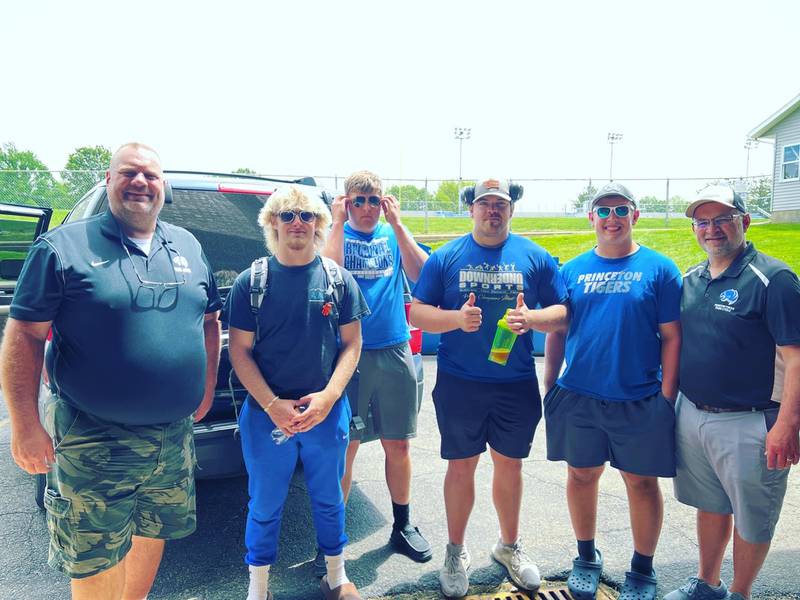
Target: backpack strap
{"type": "Point", "coordinates": [333, 275]}
{"type": "Point", "coordinates": [259, 269]}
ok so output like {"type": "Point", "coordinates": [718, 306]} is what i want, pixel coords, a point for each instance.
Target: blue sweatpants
{"type": "Point", "coordinates": [270, 467]}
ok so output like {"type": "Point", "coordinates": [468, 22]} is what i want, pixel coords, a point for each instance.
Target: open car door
{"type": "Point", "coordinates": [19, 228]}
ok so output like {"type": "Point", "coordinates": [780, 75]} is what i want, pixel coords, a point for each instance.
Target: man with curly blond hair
{"type": "Point", "coordinates": [295, 374]}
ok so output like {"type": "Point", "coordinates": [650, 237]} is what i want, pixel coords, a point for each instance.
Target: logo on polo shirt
{"type": "Point", "coordinates": [181, 265]}
{"type": "Point", "coordinates": [729, 297]}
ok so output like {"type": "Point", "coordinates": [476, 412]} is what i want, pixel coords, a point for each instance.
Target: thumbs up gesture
{"type": "Point", "coordinates": [469, 317]}
{"type": "Point", "coordinates": [517, 319]}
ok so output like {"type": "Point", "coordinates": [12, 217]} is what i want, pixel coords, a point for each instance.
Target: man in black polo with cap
{"type": "Point", "coordinates": [133, 309]}
{"type": "Point", "coordinates": [734, 444]}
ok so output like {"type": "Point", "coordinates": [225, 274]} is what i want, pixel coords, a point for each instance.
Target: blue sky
{"type": "Point", "coordinates": [325, 88]}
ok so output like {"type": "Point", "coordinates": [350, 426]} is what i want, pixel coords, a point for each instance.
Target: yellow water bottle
{"type": "Point", "coordinates": [504, 340]}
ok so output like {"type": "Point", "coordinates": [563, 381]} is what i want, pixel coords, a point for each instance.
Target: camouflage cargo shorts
{"type": "Point", "coordinates": [112, 481]}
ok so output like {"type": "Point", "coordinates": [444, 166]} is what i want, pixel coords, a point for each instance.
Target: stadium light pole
{"type": "Point", "coordinates": [461, 134]}
{"type": "Point", "coordinates": [613, 138]}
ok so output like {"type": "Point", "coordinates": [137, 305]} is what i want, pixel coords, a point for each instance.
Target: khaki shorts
{"type": "Point", "coordinates": [386, 384]}
{"type": "Point", "coordinates": [112, 481]}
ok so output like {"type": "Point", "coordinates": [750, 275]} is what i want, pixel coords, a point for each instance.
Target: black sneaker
{"type": "Point", "coordinates": [320, 568]}
{"type": "Point", "coordinates": [409, 541]}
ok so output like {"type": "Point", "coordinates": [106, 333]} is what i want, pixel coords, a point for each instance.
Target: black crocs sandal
{"type": "Point", "coordinates": [584, 578]}
{"type": "Point", "coordinates": [638, 586]}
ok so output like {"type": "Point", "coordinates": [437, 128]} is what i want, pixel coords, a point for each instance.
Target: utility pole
{"type": "Point", "coordinates": [749, 144]}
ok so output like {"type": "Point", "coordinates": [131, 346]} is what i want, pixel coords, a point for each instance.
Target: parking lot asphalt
{"type": "Point", "coordinates": [208, 565]}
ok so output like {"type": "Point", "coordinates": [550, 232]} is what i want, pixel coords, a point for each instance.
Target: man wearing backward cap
{"type": "Point", "coordinates": [464, 289]}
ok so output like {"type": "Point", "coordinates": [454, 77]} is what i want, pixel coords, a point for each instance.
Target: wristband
{"type": "Point", "coordinates": [269, 404]}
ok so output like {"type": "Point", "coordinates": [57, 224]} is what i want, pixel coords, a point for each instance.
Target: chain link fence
{"type": "Point", "coordinates": [434, 197]}
{"type": "Point", "coordinates": [54, 189]}
{"type": "Point", "coordinates": [658, 197]}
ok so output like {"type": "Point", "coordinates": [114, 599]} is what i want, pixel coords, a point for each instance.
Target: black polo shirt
{"type": "Point", "coordinates": [731, 326]}
{"type": "Point", "coordinates": [122, 350]}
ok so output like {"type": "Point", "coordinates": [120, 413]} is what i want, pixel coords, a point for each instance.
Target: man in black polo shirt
{"type": "Point", "coordinates": [734, 444]}
{"type": "Point", "coordinates": [134, 311]}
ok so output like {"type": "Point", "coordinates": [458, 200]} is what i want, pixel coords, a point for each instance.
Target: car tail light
{"type": "Point", "coordinates": [416, 340]}
{"type": "Point", "coordinates": [416, 333]}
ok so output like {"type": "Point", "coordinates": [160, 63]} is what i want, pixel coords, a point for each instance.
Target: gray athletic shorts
{"type": "Point", "coordinates": [722, 468]}
{"type": "Point", "coordinates": [386, 384]}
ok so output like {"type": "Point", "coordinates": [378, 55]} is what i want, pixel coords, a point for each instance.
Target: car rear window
{"type": "Point", "coordinates": [224, 223]}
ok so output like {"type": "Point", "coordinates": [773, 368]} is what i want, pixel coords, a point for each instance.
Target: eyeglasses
{"type": "Point", "coordinates": [718, 222]}
{"type": "Point", "coordinates": [158, 284]}
{"type": "Point", "coordinates": [623, 210]}
{"type": "Point", "coordinates": [496, 206]}
{"type": "Point", "coordinates": [306, 216]}
{"type": "Point", "coordinates": [359, 201]}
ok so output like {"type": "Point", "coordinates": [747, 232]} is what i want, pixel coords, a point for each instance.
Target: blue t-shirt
{"type": "Point", "coordinates": [496, 276]}
{"type": "Point", "coordinates": [298, 344]}
{"type": "Point", "coordinates": [373, 259]}
{"type": "Point", "coordinates": [124, 351]}
{"type": "Point", "coordinates": [613, 347]}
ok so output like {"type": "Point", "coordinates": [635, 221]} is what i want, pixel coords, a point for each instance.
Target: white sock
{"type": "Point", "coordinates": [259, 583]}
{"type": "Point", "coordinates": [336, 574]}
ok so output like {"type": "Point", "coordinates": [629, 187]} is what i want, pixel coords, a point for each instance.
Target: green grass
{"type": "Point", "coordinates": [781, 240]}
{"type": "Point", "coordinates": [447, 225]}
{"type": "Point", "coordinates": [58, 216]}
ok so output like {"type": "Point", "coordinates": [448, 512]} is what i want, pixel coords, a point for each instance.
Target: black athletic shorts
{"type": "Point", "coordinates": [471, 414]}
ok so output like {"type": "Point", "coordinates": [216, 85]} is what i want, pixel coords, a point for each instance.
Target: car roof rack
{"type": "Point", "coordinates": [306, 180]}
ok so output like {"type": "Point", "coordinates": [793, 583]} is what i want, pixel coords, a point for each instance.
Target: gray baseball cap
{"type": "Point", "coordinates": [613, 189]}
{"type": "Point", "coordinates": [721, 194]}
{"type": "Point", "coordinates": [493, 187]}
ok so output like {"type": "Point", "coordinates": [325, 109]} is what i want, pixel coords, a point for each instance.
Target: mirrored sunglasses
{"type": "Point", "coordinates": [359, 201]}
{"type": "Point", "coordinates": [306, 216]}
{"type": "Point", "coordinates": [605, 211]}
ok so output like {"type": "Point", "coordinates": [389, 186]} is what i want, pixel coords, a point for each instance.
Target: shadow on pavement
{"type": "Point", "coordinates": [210, 562]}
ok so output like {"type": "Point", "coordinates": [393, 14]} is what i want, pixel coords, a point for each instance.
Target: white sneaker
{"type": "Point", "coordinates": [453, 576]}
{"type": "Point", "coordinates": [521, 568]}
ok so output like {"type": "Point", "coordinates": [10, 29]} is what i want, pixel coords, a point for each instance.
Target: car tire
{"type": "Point", "coordinates": [40, 484]}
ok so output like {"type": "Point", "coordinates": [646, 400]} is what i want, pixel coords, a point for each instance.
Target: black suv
{"type": "Point", "coordinates": [220, 210]}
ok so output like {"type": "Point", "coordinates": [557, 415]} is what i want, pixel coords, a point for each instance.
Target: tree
{"type": "Point", "coordinates": [446, 197]}
{"type": "Point", "coordinates": [24, 179]}
{"type": "Point", "coordinates": [85, 167]}
{"type": "Point", "coordinates": [582, 201]}
{"type": "Point", "coordinates": [759, 194]}
{"type": "Point", "coordinates": [651, 204]}
{"type": "Point", "coordinates": [245, 171]}
{"type": "Point", "coordinates": [410, 196]}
